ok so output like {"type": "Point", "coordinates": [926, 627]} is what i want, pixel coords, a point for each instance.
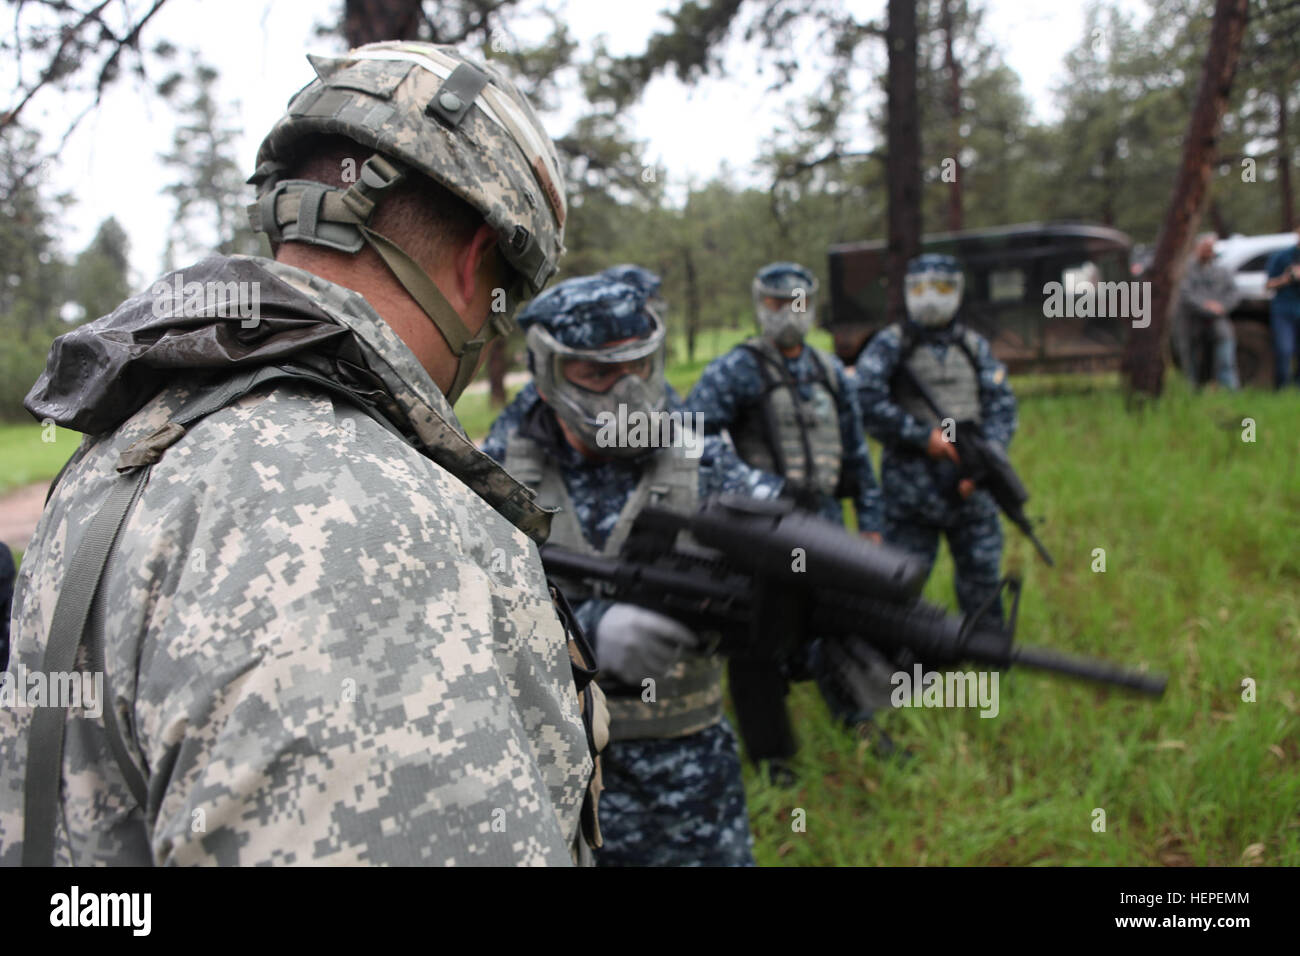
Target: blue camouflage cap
{"type": "Point", "coordinates": [781, 278]}
{"type": "Point", "coordinates": [933, 262]}
{"type": "Point", "coordinates": [588, 312]}
{"type": "Point", "coordinates": [639, 277]}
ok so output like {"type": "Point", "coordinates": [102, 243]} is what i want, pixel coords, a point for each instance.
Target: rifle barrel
{"type": "Point", "coordinates": [1101, 672]}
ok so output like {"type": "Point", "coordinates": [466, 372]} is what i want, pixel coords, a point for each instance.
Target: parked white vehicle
{"type": "Point", "coordinates": [1246, 257]}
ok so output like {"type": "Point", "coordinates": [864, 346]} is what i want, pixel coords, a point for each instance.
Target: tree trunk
{"type": "Point", "coordinates": [370, 21]}
{"type": "Point", "coordinates": [1144, 354]}
{"type": "Point", "coordinates": [1221, 227]}
{"type": "Point", "coordinates": [903, 164]}
{"type": "Point", "coordinates": [956, 219]}
{"type": "Point", "coordinates": [1285, 194]}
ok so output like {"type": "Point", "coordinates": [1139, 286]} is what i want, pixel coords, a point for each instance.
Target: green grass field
{"type": "Point", "coordinates": [28, 454]}
{"type": "Point", "coordinates": [1202, 581]}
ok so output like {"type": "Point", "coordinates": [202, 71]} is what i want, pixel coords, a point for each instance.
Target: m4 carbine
{"type": "Point", "coordinates": [766, 578]}
{"type": "Point", "coordinates": [985, 463]}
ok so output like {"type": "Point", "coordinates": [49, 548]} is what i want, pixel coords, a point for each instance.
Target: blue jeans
{"type": "Point", "coordinates": [1225, 354]}
{"type": "Point", "coordinates": [1286, 331]}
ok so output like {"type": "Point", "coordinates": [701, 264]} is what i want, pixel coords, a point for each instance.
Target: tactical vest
{"type": "Point", "coordinates": [953, 380]}
{"type": "Point", "coordinates": [689, 697]}
{"type": "Point", "coordinates": [784, 433]}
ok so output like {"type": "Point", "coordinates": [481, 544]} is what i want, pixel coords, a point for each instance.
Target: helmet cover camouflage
{"type": "Point", "coordinates": [492, 150]}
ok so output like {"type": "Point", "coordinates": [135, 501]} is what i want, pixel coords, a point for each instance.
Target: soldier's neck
{"type": "Point", "coordinates": [572, 438]}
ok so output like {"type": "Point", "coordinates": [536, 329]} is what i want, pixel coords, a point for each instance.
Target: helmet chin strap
{"type": "Point", "coordinates": [434, 304]}
{"type": "Point", "coordinates": [339, 219]}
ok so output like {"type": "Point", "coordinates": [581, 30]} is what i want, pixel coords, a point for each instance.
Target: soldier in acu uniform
{"type": "Point", "coordinates": [325, 629]}
{"type": "Point", "coordinates": [672, 786]}
{"type": "Point", "coordinates": [790, 411]}
{"type": "Point", "coordinates": [924, 496]}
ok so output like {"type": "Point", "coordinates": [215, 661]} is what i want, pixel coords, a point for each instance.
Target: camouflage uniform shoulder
{"type": "Point", "coordinates": [880, 354]}
{"type": "Point", "coordinates": [306, 613]}
{"type": "Point", "coordinates": [434, 425]}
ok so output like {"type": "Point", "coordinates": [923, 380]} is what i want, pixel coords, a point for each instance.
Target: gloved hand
{"type": "Point", "coordinates": [633, 643]}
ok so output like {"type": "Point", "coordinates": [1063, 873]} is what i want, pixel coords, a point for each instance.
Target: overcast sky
{"type": "Point", "coordinates": [110, 164]}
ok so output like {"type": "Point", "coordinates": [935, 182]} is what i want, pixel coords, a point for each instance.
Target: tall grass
{"type": "Point", "coordinates": [1202, 567]}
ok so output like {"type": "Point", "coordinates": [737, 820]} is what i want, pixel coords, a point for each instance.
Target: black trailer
{"type": "Point", "coordinates": [1015, 277]}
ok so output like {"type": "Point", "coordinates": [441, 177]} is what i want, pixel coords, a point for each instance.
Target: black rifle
{"type": "Point", "coordinates": [986, 464]}
{"type": "Point", "coordinates": [765, 578]}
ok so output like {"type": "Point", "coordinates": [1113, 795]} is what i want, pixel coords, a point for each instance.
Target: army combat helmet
{"type": "Point", "coordinates": [785, 302]}
{"type": "Point", "coordinates": [423, 109]}
{"type": "Point", "coordinates": [601, 323]}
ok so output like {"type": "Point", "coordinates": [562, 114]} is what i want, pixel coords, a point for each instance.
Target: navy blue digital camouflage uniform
{"type": "Point", "coordinates": [733, 382]}
{"type": "Point", "coordinates": [728, 388]}
{"type": "Point", "coordinates": [666, 802]}
{"type": "Point", "coordinates": [921, 499]}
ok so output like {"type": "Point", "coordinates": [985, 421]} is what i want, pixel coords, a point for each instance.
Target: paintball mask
{"type": "Point", "coordinates": [785, 302]}
{"type": "Point", "coordinates": [586, 386]}
{"type": "Point", "coordinates": [932, 290]}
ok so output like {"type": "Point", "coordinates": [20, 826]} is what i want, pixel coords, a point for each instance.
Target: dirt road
{"type": "Point", "coordinates": [19, 511]}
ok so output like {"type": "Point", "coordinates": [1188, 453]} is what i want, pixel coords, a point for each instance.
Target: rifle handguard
{"type": "Point", "coordinates": [775, 540]}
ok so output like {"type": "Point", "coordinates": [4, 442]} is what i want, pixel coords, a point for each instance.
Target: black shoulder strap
{"type": "Point", "coordinates": [774, 373]}
{"type": "Point", "coordinates": [78, 618]}
{"type": "Point", "coordinates": [962, 336]}
{"type": "Point", "coordinates": [827, 369]}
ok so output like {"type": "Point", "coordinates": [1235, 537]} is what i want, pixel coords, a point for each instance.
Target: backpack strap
{"type": "Point", "coordinates": [965, 340]}
{"type": "Point", "coordinates": [78, 617]}
{"type": "Point", "coordinates": [70, 626]}
{"type": "Point", "coordinates": [828, 376]}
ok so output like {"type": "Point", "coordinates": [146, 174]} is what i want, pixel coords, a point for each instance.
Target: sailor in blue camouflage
{"type": "Point", "coordinates": [922, 497]}
{"type": "Point", "coordinates": [729, 389]}
{"type": "Point", "coordinates": [667, 800]}
{"type": "Point", "coordinates": [731, 383]}
{"type": "Point", "coordinates": [818, 445]}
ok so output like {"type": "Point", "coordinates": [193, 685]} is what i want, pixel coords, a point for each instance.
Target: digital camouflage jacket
{"type": "Point", "coordinates": [327, 640]}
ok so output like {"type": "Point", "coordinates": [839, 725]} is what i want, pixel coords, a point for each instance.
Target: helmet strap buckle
{"type": "Point", "coordinates": [377, 175]}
